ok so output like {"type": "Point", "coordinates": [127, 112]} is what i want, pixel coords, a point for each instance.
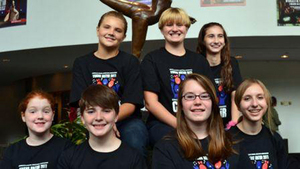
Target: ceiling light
{"type": "Point", "coordinates": [66, 66]}
{"type": "Point", "coordinates": [5, 60]}
{"type": "Point", "coordinates": [285, 56]}
{"type": "Point", "coordinates": [239, 57]}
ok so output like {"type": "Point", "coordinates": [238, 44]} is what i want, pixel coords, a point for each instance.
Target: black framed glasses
{"type": "Point", "coordinates": [192, 96]}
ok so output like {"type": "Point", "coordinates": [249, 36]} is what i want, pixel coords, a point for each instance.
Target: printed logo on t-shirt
{"type": "Point", "coordinates": [176, 77]}
{"type": "Point", "coordinates": [108, 79]}
{"type": "Point", "coordinates": [203, 163]}
{"type": "Point", "coordinates": [34, 166]}
{"type": "Point", "coordinates": [221, 94]}
{"type": "Point", "coordinates": [261, 160]}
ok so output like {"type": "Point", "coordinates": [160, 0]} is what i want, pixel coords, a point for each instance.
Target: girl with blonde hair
{"type": "Point", "coordinates": [164, 69]}
{"type": "Point", "coordinates": [264, 146]}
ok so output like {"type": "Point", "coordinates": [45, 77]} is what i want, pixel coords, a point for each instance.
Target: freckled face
{"type": "Point", "coordinates": [199, 110]}
{"type": "Point", "coordinates": [38, 116]}
{"type": "Point", "coordinates": [111, 32]}
{"type": "Point", "coordinates": [99, 121]}
{"type": "Point", "coordinates": [253, 104]}
{"type": "Point", "coordinates": [214, 39]}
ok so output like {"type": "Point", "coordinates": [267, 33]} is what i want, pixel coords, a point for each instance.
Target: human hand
{"type": "Point", "coordinates": [116, 131]}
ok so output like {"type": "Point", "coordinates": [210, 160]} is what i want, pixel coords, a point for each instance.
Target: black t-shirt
{"type": "Point", "coordinates": [121, 73]}
{"type": "Point", "coordinates": [225, 98]}
{"type": "Point", "coordinates": [162, 72]}
{"type": "Point", "coordinates": [84, 157]}
{"type": "Point", "coordinates": [264, 149]}
{"type": "Point", "coordinates": [22, 156]}
{"type": "Point", "coordinates": [167, 154]}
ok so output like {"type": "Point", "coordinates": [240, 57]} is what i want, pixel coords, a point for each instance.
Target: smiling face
{"type": "Point", "coordinates": [253, 104]}
{"type": "Point", "coordinates": [38, 116]}
{"type": "Point", "coordinates": [214, 40]}
{"type": "Point", "coordinates": [174, 32]}
{"type": "Point", "coordinates": [99, 121]}
{"type": "Point", "coordinates": [111, 32]}
{"type": "Point", "coordinates": [199, 110]}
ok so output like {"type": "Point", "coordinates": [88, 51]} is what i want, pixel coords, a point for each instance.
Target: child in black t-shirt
{"type": "Point", "coordinates": [213, 43]}
{"type": "Point", "coordinates": [118, 70]}
{"type": "Point", "coordinates": [99, 110]}
{"type": "Point", "coordinates": [40, 149]}
{"type": "Point", "coordinates": [199, 140]}
{"type": "Point", "coordinates": [164, 69]}
{"type": "Point", "coordinates": [264, 146]}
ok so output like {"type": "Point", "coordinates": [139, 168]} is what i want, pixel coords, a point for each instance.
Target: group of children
{"type": "Point", "coordinates": [191, 98]}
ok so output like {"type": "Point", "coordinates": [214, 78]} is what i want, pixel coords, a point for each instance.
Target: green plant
{"type": "Point", "coordinates": [75, 131]}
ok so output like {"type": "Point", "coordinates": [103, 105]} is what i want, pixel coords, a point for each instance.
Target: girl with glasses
{"type": "Point", "coordinates": [199, 140]}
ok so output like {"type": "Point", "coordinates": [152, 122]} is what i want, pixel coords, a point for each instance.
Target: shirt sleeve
{"type": "Point", "coordinates": [161, 157]}
{"type": "Point", "coordinates": [64, 159]}
{"type": "Point", "coordinates": [239, 159]}
{"type": "Point", "coordinates": [78, 83]}
{"type": "Point", "coordinates": [244, 160]}
{"type": "Point", "coordinates": [140, 162]}
{"type": "Point", "coordinates": [207, 72]}
{"type": "Point", "coordinates": [149, 75]}
{"type": "Point", "coordinates": [133, 92]}
{"type": "Point", "coordinates": [237, 77]}
{"type": "Point", "coordinates": [7, 161]}
{"type": "Point", "coordinates": [281, 151]}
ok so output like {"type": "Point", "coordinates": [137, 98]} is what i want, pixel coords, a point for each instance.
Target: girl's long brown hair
{"type": "Point", "coordinates": [220, 145]}
{"type": "Point", "coordinates": [226, 70]}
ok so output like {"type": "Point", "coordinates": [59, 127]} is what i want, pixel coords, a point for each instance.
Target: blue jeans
{"type": "Point", "coordinates": [133, 132]}
{"type": "Point", "coordinates": [157, 130]}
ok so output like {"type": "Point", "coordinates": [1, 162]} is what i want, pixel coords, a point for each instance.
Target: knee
{"type": "Point", "coordinates": [135, 132]}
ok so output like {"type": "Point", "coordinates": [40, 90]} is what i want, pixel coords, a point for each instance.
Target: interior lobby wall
{"type": "Point", "coordinates": [63, 23]}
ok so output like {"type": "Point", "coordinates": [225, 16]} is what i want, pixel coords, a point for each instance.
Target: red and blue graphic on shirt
{"type": "Point", "coordinates": [261, 160]}
{"type": "Point", "coordinates": [106, 78]}
{"type": "Point", "coordinates": [203, 163]}
{"type": "Point", "coordinates": [176, 77]}
{"type": "Point", "coordinates": [221, 94]}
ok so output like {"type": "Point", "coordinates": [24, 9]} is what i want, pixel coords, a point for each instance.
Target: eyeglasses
{"type": "Point", "coordinates": [192, 96]}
